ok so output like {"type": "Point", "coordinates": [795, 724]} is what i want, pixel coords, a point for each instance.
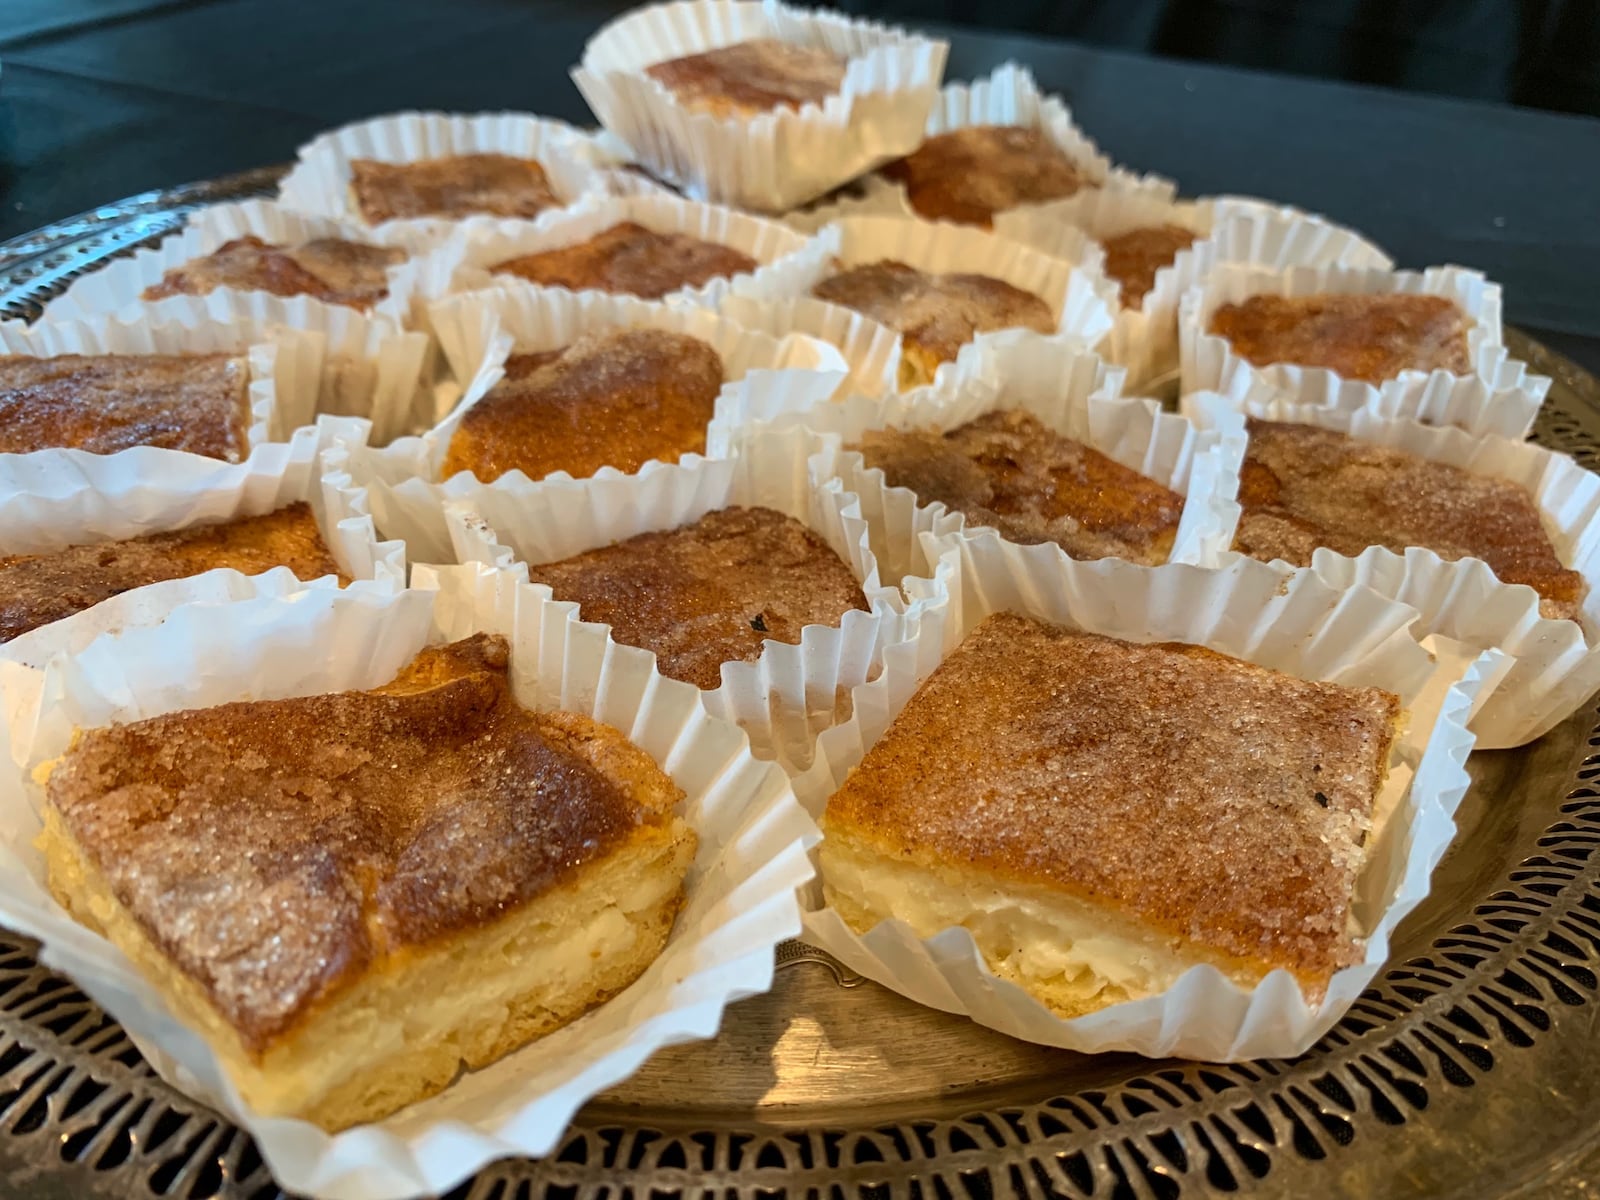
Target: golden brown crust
{"type": "Point", "coordinates": [710, 592]}
{"type": "Point", "coordinates": [1302, 487]}
{"type": "Point", "coordinates": [278, 850]}
{"type": "Point", "coordinates": [333, 270]}
{"type": "Point", "coordinates": [751, 77]}
{"type": "Point", "coordinates": [633, 260]}
{"type": "Point", "coordinates": [1220, 803]}
{"type": "Point", "coordinates": [618, 399]}
{"type": "Point", "coordinates": [969, 174]}
{"type": "Point", "coordinates": [1366, 337]}
{"type": "Point", "coordinates": [458, 185]}
{"type": "Point", "coordinates": [935, 314]}
{"type": "Point", "coordinates": [1010, 471]}
{"type": "Point", "coordinates": [36, 589]}
{"type": "Point", "coordinates": [103, 403]}
{"type": "Point", "coordinates": [1134, 257]}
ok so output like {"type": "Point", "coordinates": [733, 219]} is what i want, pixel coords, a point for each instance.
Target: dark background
{"type": "Point", "coordinates": [1443, 129]}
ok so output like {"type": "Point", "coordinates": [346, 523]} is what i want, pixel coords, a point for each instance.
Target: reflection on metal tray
{"type": "Point", "coordinates": [1472, 1067]}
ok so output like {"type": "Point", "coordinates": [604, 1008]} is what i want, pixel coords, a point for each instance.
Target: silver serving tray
{"type": "Point", "coordinates": [1471, 1068]}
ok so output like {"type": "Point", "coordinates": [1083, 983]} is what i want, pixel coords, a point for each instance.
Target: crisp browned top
{"type": "Point", "coordinates": [936, 313]}
{"type": "Point", "coordinates": [1007, 469]}
{"type": "Point", "coordinates": [1213, 800]}
{"type": "Point", "coordinates": [711, 592]}
{"type": "Point", "coordinates": [1304, 487]}
{"type": "Point", "coordinates": [278, 849]}
{"type": "Point", "coordinates": [331, 269]}
{"type": "Point", "coordinates": [632, 259]}
{"type": "Point", "coordinates": [1361, 337]}
{"type": "Point", "coordinates": [969, 174]}
{"type": "Point", "coordinates": [456, 186]}
{"type": "Point", "coordinates": [36, 589]}
{"type": "Point", "coordinates": [109, 402]}
{"type": "Point", "coordinates": [618, 399]}
{"type": "Point", "coordinates": [1133, 258]}
{"type": "Point", "coordinates": [752, 77]}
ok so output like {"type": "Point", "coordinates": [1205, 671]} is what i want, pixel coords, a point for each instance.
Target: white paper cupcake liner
{"type": "Point", "coordinates": [1008, 96]}
{"type": "Point", "coordinates": [1248, 610]}
{"type": "Point", "coordinates": [1556, 664]}
{"type": "Point", "coordinates": [70, 513]}
{"type": "Point", "coordinates": [1230, 229]}
{"type": "Point", "coordinates": [741, 901]}
{"type": "Point", "coordinates": [784, 258]}
{"type": "Point", "coordinates": [1507, 396]}
{"type": "Point", "coordinates": [117, 289]}
{"type": "Point", "coordinates": [765, 378]}
{"type": "Point", "coordinates": [1081, 300]}
{"type": "Point", "coordinates": [319, 184]}
{"type": "Point", "coordinates": [778, 159]}
{"type": "Point", "coordinates": [1070, 390]}
{"type": "Point", "coordinates": [792, 692]}
{"type": "Point", "coordinates": [871, 350]}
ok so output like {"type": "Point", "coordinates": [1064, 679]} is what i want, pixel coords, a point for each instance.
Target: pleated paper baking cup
{"type": "Point", "coordinates": [307, 358]}
{"type": "Point", "coordinates": [1555, 665]}
{"type": "Point", "coordinates": [740, 891]}
{"type": "Point", "coordinates": [68, 513]}
{"type": "Point", "coordinates": [319, 184]}
{"type": "Point", "coordinates": [784, 259]}
{"type": "Point", "coordinates": [1248, 610]}
{"type": "Point", "coordinates": [870, 350]}
{"type": "Point", "coordinates": [118, 288]}
{"type": "Point", "coordinates": [791, 692]}
{"type": "Point", "coordinates": [765, 377]}
{"type": "Point", "coordinates": [1227, 229]}
{"type": "Point", "coordinates": [1080, 300]}
{"type": "Point", "coordinates": [774, 160]}
{"type": "Point", "coordinates": [1008, 96]}
{"type": "Point", "coordinates": [1071, 391]}
{"type": "Point", "coordinates": [1509, 394]}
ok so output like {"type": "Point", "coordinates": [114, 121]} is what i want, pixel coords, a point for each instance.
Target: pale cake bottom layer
{"type": "Point", "coordinates": [1074, 957]}
{"type": "Point", "coordinates": [403, 1032]}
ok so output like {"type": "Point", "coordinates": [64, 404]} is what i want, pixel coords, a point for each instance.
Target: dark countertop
{"type": "Point", "coordinates": [100, 99]}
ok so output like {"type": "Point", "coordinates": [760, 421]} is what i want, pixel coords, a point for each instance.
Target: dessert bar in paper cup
{"type": "Point", "coordinates": [770, 161]}
{"type": "Point", "coordinates": [1248, 610]}
{"type": "Point", "coordinates": [740, 892]}
{"type": "Point", "coordinates": [117, 289]}
{"type": "Point", "coordinates": [1555, 664]}
{"type": "Point", "coordinates": [68, 511]}
{"type": "Point", "coordinates": [1226, 229]}
{"type": "Point", "coordinates": [784, 698]}
{"type": "Point", "coordinates": [1506, 399]}
{"type": "Point", "coordinates": [763, 377]}
{"type": "Point", "coordinates": [466, 262]}
{"type": "Point", "coordinates": [1008, 96]}
{"type": "Point", "coordinates": [1079, 300]}
{"type": "Point", "coordinates": [319, 183]}
{"type": "Point", "coordinates": [1072, 392]}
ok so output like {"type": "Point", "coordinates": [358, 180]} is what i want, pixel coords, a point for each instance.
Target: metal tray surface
{"type": "Point", "coordinates": [1471, 1067]}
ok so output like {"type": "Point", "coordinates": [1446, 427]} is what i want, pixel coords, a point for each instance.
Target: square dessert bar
{"type": "Point", "coordinates": [710, 592]}
{"type": "Point", "coordinates": [103, 403]}
{"type": "Point", "coordinates": [633, 260]}
{"type": "Point", "coordinates": [1011, 472]}
{"type": "Point", "coordinates": [935, 314]}
{"type": "Point", "coordinates": [1302, 486]}
{"type": "Point", "coordinates": [36, 589]}
{"type": "Point", "coordinates": [334, 270]}
{"type": "Point", "coordinates": [457, 185]}
{"type": "Point", "coordinates": [618, 398]}
{"type": "Point", "coordinates": [969, 174]}
{"type": "Point", "coordinates": [1102, 815]}
{"type": "Point", "coordinates": [752, 77]}
{"type": "Point", "coordinates": [349, 896]}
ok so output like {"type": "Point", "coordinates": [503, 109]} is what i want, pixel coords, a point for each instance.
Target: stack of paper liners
{"type": "Point", "coordinates": [739, 893]}
{"type": "Point", "coordinates": [1247, 610]}
{"type": "Point", "coordinates": [792, 691]}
